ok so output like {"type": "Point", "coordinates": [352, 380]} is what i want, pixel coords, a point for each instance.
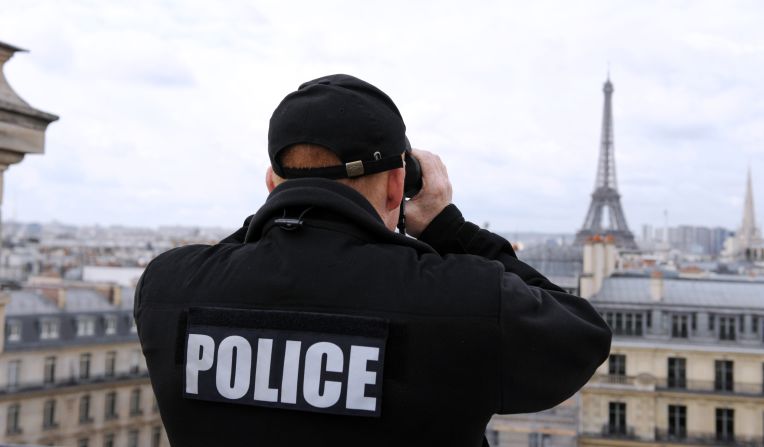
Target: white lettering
{"type": "Point", "coordinates": [291, 372]}
{"type": "Point", "coordinates": [240, 384]}
{"type": "Point", "coordinates": [263, 372]}
{"type": "Point", "coordinates": [200, 354]}
{"type": "Point", "coordinates": [359, 377]}
{"type": "Point", "coordinates": [312, 380]}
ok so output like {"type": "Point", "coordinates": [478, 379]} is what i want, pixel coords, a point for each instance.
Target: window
{"type": "Point", "coordinates": [12, 425]}
{"type": "Point", "coordinates": [85, 366]}
{"type": "Point", "coordinates": [110, 406]}
{"type": "Point", "coordinates": [85, 409]}
{"type": "Point", "coordinates": [741, 320]}
{"type": "Point", "coordinates": [48, 329]}
{"type": "Point", "coordinates": [711, 321]}
{"type": "Point", "coordinates": [14, 372]}
{"type": "Point", "coordinates": [111, 364]}
{"type": "Point", "coordinates": [694, 321]}
{"type": "Point", "coordinates": [617, 418]}
{"type": "Point", "coordinates": [677, 422]}
{"type": "Point", "coordinates": [135, 361]}
{"type": "Point", "coordinates": [725, 424]}
{"type": "Point", "coordinates": [85, 326]}
{"type": "Point", "coordinates": [84, 442]}
{"type": "Point", "coordinates": [723, 375]}
{"type": "Point", "coordinates": [133, 327]}
{"type": "Point", "coordinates": [135, 402]}
{"type": "Point", "coordinates": [108, 440]}
{"type": "Point", "coordinates": [14, 331]}
{"type": "Point", "coordinates": [536, 439]}
{"type": "Point", "coordinates": [679, 326]}
{"type": "Point", "coordinates": [726, 328]}
{"type": "Point", "coordinates": [677, 372]}
{"type": "Point", "coordinates": [617, 365]}
{"type": "Point", "coordinates": [755, 324]}
{"type": "Point", "coordinates": [132, 438]}
{"type": "Point", "coordinates": [624, 323]}
{"type": "Point", "coordinates": [156, 436]}
{"type": "Point", "coordinates": [49, 371]}
{"type": "Point", "coordinates": [110, 325]}
{"type": "Point", "coordinates": [49, 415]}
{"type": "Point", "coordinates": [649, 319]}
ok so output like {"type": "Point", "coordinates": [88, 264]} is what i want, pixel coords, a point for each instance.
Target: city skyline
{"type": "Point", "coordinates": [154, 97]}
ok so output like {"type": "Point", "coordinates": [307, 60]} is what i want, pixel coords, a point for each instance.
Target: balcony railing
{"type": "Point", "coordinates": [663, 435]}
{"type": "Point", "coordinates": [693, 386]}
{"type": "Point", "coordinates": [613, 379]}
{"type": "Point", "coordinates": [72, 382]}
{"type": "Point", "coordinates": [618, 431]}
{"type": "Point", "coordinates": [711, 386]}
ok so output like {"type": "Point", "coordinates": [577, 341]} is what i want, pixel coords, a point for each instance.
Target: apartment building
{"type": "Point", "coordinates": [686, 366]}
{"type": "Point", "coordinates": [71, 369]}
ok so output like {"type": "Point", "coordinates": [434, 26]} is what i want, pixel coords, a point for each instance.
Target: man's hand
{"type": "Point", "coordinates": [434, 196]}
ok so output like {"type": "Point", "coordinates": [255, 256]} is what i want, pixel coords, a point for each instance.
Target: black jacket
{"type": "Point", "coordinates": [467, 329]}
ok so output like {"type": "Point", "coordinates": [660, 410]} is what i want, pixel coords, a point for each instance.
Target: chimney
{"type": "Point", "coordinates": [600, 260]}
{"type": "Point", "coordinates": [656, 285]}
{"type": "Point", "coordinates": [5, 298]}
{"type": "Point", "coordinates": [61, 298]}
{"type": "Point", "coordinates": [116, 295]}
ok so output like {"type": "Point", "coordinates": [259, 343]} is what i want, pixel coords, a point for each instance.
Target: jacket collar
{"type": "Point", "coordinates": [330, 196]}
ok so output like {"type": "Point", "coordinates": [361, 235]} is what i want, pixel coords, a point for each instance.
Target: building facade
{"type": "Point", "coordinates": [71, 370]}
{"type": "Point", "coordinates": [686, 365]}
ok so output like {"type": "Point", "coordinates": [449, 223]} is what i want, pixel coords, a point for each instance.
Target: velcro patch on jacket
{"type": "Point", "coordinates": [325, 363]}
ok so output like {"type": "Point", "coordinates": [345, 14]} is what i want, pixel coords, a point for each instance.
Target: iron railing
{"type": "Point", "coordinates": [711, 386]}
{"type": "Point", "coordinates": [25, 387]}
{"type": "Point", "coordinates": [664, 435]}
{"type": "Point", "coordinates": [695, 386]}
{"type": "Point", "coordinates": [618, 431]}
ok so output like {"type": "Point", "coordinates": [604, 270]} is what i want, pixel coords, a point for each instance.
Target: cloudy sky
{"type": "Point", "coordinates": [164, 105]}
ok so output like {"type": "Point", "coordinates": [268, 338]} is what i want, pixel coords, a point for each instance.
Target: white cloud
{"type": "Point", "coordinates": [164, 105]}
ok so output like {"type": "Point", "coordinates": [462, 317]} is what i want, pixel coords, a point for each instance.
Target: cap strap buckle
{"type": "Point", "coordinates": [354, 168]}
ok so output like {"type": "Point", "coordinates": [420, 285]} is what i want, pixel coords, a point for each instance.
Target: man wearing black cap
{"type": "Point", "coordinates": [317, 324]}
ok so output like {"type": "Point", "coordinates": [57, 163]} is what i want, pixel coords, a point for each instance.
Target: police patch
{"type": "Point", "coordinates": [316, 362]}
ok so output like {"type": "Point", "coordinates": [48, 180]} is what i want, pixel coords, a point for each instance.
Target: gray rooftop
{"type": "Point", "coordinates": [84, 300]}
{"type": "Point", "coordinates": [683, 292]}
{"type": "Point", "coordinates": [25, 302]}
{"type": "Point", "coordinates": [79, 301]}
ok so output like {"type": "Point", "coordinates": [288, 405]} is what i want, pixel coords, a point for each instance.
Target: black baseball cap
{"type": "Point", "coordinates": [350, 117]}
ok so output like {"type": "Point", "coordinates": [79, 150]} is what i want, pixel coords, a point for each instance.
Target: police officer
{"type": "Point", "coordinates": [316, 324]}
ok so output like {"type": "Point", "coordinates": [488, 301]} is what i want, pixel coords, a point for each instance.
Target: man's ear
{"type": "Point", "coordinates": [270, 183]}
{"type": "Point", "coordinates": [395, 183]}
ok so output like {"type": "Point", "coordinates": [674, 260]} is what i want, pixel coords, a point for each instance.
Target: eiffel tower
{"type": "Point", "coordinates": [605, 193]}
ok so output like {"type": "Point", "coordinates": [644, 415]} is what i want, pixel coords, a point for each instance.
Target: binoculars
{"type": "Point", "coordinates": [413, 183]}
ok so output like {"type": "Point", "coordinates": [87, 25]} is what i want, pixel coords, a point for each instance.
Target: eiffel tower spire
{"type": "Point", "coordinates": [605, 195]}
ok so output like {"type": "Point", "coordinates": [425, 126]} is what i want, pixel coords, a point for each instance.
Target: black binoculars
{"type": "Point", "coordinates": [413, 183]}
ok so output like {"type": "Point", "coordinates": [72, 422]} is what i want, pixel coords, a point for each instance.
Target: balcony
{"type": "Point", "coordinates": [643, 382]}
{"type": "Point", "coordinates": [648, 382]}
{"type": "Point", "coordinates": [663, 435]}
{"type": "Point", "coordinates": [72, 382]}
{"type": "Point", "coordinates": [710, 386]}
{"type": "Point", "coordinates": [617, 432]}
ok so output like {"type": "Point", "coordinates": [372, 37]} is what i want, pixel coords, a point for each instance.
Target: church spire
{"type": "Point", "coordinates": [748, 231]}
